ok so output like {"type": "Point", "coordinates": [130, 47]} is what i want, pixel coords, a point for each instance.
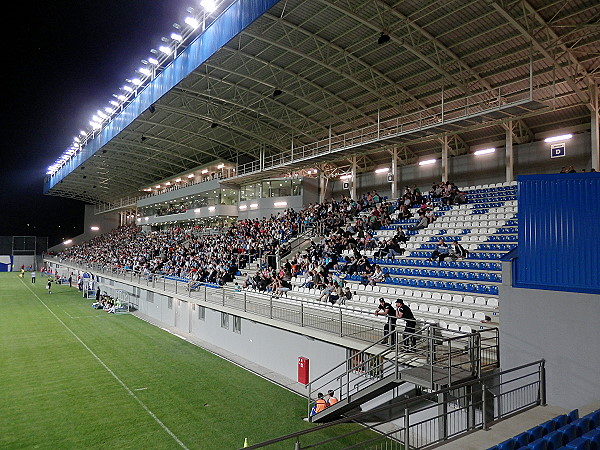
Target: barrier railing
{"type": "Point", "coordinates": [434, 417]}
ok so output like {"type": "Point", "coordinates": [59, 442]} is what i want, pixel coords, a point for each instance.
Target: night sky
{"type": "Point", "coordinates": [63, 61]}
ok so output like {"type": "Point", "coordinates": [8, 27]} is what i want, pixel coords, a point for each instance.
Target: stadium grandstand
{"type": "Point", "coordinates": [280, 170]}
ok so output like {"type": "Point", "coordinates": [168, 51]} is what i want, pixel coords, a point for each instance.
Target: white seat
{"type": "Point", "coordinates": [433, 309]}
{"type": "Point", "coordinates": [493, 302]}
{"type": "Point", "coordinates": [446, 297]}
{"type": "Point", "coordinates": [468, 299]}
{"type": "Point", "coordinates": [436, 296]}
{"type": "Point", "coordinates": [455, 312]}
{"type": "Point", "coordinates": [457, 298]}
{"type": "Point", "coordinates": [383, 289]}
{"type": "Point", "coordinates": [467, 314]}
{"type": "Point", "coordinates": [445, 311]}
{"type": "Point", "coordinates": [481, 301]}
{"type": "Point", "coordinates": [423, 307]}
{"type": "Point", "coordinates": [417, 294]}
{"type": "Point", "coordinates": [466, 329]}
{"type": "Point", "coordinates": [479, 316]}
{"type": "Point", "coordinates": [426, 294]}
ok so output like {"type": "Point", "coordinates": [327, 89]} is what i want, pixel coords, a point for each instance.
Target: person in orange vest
{"type": "Point", "coordinates": [320, 404]}
{"type": "Point", "coordinates": [332, 400]}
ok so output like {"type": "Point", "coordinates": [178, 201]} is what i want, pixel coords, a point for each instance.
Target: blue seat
{"type": "Point", "coordinates": [538, 444]}
{"type": "Point", "coordinates": [569, 432]}
{"type": "Point", "coordinates": [594, 437]}
{"type": "Point", "coordinates": [548, 427]}
{"type": "Point", "coordinates": [554, 440]}
{"type": "Point", "coordinates": [559, 421]}
{"type": "Point", "coordinates": [594, 419]}
{"type": "Point", "coordinates": [537, 432]}
{"type": "Point", "coordinates": [583, 425]}
{"type": "Point", "coordinates": [507, 445]}
{"type": "Point", "coordinates": [522, 439]}
{"type": "Point", "coordinates": [572, 416]}
{"type": "Point", "coordinates": [578, 444]}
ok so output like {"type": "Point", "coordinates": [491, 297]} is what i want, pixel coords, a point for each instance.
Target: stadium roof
{"type": "Point", "coordinates": [307, 80]}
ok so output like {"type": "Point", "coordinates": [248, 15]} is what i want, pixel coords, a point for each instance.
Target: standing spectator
{"type": "Point", "coordinates": [409, 340]}
{"type": "Point", "coordinates": [49, 286]}
{"type": "Point", "coordinates": [389, 329]}
{"type": "Point", "coordinates": [33, 277]}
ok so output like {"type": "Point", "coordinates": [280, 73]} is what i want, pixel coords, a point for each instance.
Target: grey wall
{"type": "Point", "coordinates": [560, 327]}
{"type": "Point", "coordinates": [271, 347]}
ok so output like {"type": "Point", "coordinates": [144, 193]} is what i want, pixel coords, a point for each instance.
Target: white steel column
{"type": "Point", "coordinates": [445, 159]}
{"type": "Point", "coordinates": [509, 160]}
{"type": "Point", "coordinates": [595, 122]}
{"type": "Point", "coordinates": [395, 173]}
{"type": "Point", "coordinates": [353, 181]}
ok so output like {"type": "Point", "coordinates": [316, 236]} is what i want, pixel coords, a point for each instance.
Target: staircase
{"type": "Point", "coordinates": [441, 359]}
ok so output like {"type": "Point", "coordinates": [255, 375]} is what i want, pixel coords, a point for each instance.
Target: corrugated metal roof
{"type": "Point", "coordinates": [324, 57]}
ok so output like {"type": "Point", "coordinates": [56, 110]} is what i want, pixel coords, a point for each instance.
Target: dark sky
{"type": "Point", "coordinates": [63, 61]}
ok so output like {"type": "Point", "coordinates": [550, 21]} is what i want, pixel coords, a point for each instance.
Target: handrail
{"type": "Point", "coordinates": [407, 405]}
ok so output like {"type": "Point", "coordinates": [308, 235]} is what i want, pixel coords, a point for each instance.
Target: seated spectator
{"type": "Point", "coordinates": [347, 295]}
{"type": "Point", "coordinates": [332, 400]}
{"type": "Point", "coordinates": [458, 251]}
{"type": "Point", "coordinates": [394, 249]}
{"type": "Point", "coordinates": [320, 405]}
{"type": "Point", "coordinates": [441, 252]}
{"type": "Point", "coordinates": [423, 222]}
{"type": "Point", "coordinates": [377, 276]}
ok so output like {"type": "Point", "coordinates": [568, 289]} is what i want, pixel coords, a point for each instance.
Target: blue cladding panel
{"type": "Point", "coordinates": [559, 232]}
{"type": "Point", "coordinates": [229, 24]}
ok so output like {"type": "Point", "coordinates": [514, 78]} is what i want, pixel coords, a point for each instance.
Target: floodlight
{"type": "Point", "coordinates": [345, 177]}
{"type": "Point", "coordinates": [153, 61]}
{"type": "Point", "coordinates": [382, 170]}
{"type": "Point", "coordinates": [192, 22]}
{"type": "Point", "coordinates": [558, 138]}
{"type": "Point", "coordinates": [279, 204]}
{"type": "Point", "coordinates": [485, 151]}
{"type": "Point", "coordinates": [127, 88]}
{"type": "Point", "coordinates": [164, 49]}
{"type": "Point", "coordinates": [176, 37]}
{"type": "Point", "coordinates": [94, 228]}
{"type": "Point", "coordinates": [145, 71]}
{"type": "Point", "coordinates": [208, 5]}
{"type": "Point", "coordinates": [427, 162]}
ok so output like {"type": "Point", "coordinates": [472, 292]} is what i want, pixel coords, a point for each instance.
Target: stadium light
{"type": "Point", "coordinates": [427, 162]}
{"type": "Point", "coordinates": [176, 37]}
{"type": "Point", "coordinates": [485, 151]}
{"type": "Point", "coordinates": [345, 177]}
{"type": "Point", "coordinates": [164, 49]}
{"type": "Point", "coordinates": [68, 241]}
{"type": "Point", "coordinates": [94, 228]}
{"type": "Point", "coordinates": [279, 204]}
{"type": "Point", "coordinates": [558, 138]}
{"type": "Point", "coordinates": [192, 22]}
{"type": "Point", "coordinates": [208, 5]}
{"type": "Point", "coordinates": [243, 207]}
{"type": "Point", "coordinates": [382, 170]}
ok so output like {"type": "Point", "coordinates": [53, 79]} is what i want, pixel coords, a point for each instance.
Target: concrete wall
{"type": "Point", "coordinates": [268, 346]}
{"type": "Point", "coordinates": [562, 328]}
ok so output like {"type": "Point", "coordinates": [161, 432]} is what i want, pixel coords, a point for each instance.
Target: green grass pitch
{"type": "Point", "coordinates": [75, 377]}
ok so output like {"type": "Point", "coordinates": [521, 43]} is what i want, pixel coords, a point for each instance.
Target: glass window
{"type": "Point", "coordinates": [224, 320]}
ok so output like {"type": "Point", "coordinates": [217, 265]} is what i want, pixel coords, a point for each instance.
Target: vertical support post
{"type": "Point", "coordinates": [354, 180]}
{"type": "Point", "coordinates": [442, 412]}
{"type": "Point", "coordinates": [406, 429]}
{"type": "Point", "coordinates": [484, 407]}
{"type": "Point", "coordinates": [322, 186]}
{"type": "Point", "coordinates": [395, 173]}
{"type": "Point", "coordinates": [595, 131]}
{"type": "Point", "coordinates": [445, 159]}
{"type": "Point", "coordinates": [509, 160]}
{"type": "Point", "coordinates": [543, 383]}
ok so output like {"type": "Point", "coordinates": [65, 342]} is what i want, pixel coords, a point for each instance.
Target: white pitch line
{"type": "Point", "coordinates": [114, 375]}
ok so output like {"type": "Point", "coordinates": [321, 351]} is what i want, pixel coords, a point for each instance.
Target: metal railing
{"type": "Point", "coordinates": [434, 417]}
{"type": "Point", "coordinates": [313, 315]}
{"type": "Point", "coordinates": [444, 357]}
